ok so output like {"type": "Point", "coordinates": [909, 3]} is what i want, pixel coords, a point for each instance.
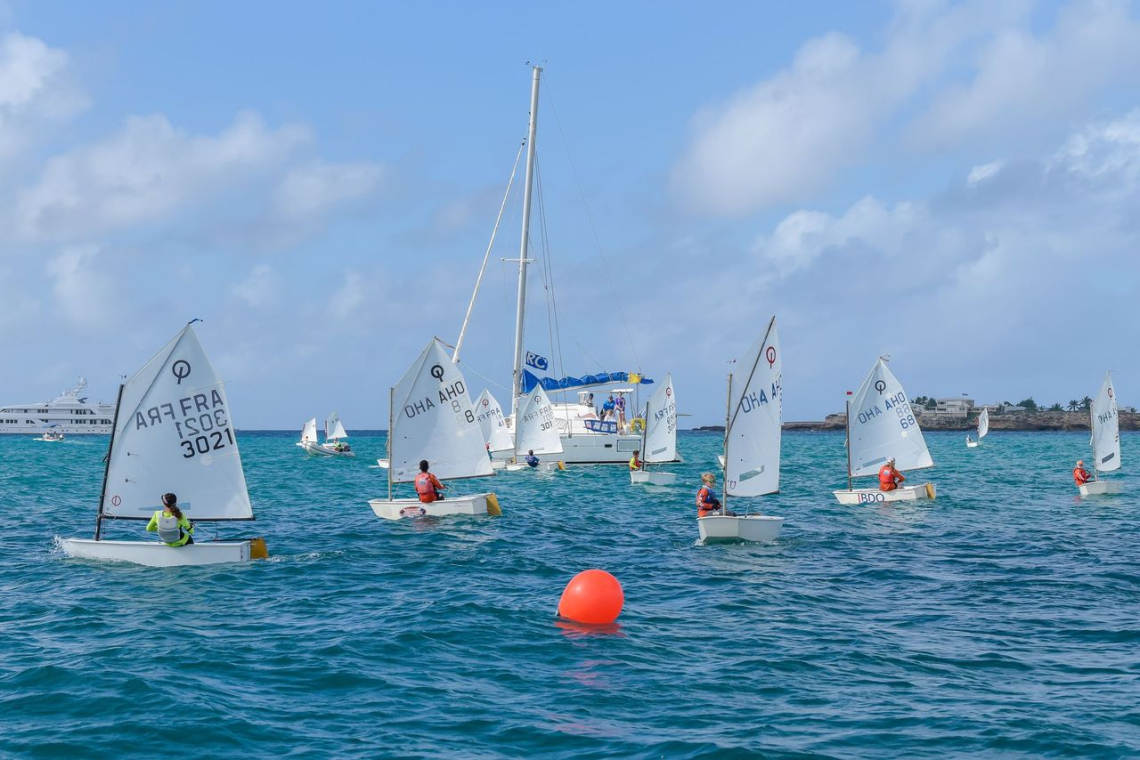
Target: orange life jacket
{"type": "Point", "coordinates": [425, 488]}
{"type": "Point", "coordinates": [887, 476]}
{"type": "Point", "coordinates": [1081, 476]}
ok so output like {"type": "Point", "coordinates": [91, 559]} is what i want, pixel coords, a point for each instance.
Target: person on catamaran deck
{"type": "Point", "coordinates": [889, 477]}
{"type": "Point", "coordinates": [619, 406]}
{"type": "Point", "coordinates": [530, 458]}
{"type": "Point", "coordinates": [428, 487]}
{"type": "Point", "coordinates": [172, 526]}
{"type": "Point", "coordinates": [707, 501]}
{"type": "Point", "coordinates": [608, 408]}
{"type": "Point", "coordinates": [1080, 474]}
{"type": "Point", "coordinates": [635, 460]}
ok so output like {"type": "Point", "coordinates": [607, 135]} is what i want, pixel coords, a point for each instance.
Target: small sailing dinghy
{"type": "Point", "coordinates": [751, 442]}
{"type": "Point", "coordinates": [536, 432]}
{"type": "Point", "coordinates": [494, 426]}
{"type": "Point", "coordinates": [658, 437]}
{"type": "Point", "coordinates": [172, 432]}
{"type": "Point", "coordinates": [983, 428]}
{"type": "Point", "coordinates": [334, 445]}
{"type": "Point", "coordinates": [1105, 441]}
{"type": "Point", "coordinates": [432, 418]}
{"type": "Point", "coordinates": [882, 426]}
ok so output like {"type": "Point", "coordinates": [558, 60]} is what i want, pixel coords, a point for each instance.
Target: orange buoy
{"type": "Point", "coordinates": [593, 597]}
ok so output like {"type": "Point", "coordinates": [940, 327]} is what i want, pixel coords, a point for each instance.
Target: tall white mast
{"type": "Point", "coordinates": [521, 314]}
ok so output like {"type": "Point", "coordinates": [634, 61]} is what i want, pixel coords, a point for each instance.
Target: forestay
{"type": "Point", "coordinates": [536, 429]}
{"type": "Point", "coordinates": [309, 431]}
{"type": "Point", "coordinates": [752, 435]}
{"type": "Point", "coordinates": [490, 416]}
{"type": "Point", "coordinates": [661, 425]}
{"type": "Point", "coordinates": [1106, 428]}
{"type": "Point", "coordinates": [174, 433]}
{"type": "Point", "coordinates": [433, 419]}
{"type": "Point", "coordinates": [882, 425]}
{"type": "Point", "coordinates": [983, 423]}
{"type": "Point", "coordinates": [334, 430]}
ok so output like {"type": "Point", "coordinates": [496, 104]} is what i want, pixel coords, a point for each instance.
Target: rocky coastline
{"type": "Point", "coordinates": [1026, 421]}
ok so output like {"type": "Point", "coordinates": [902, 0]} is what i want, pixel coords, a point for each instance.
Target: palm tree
{"type": "Point", "coordinates": [1086, 402]}
{"type": "Point", "coordinates": [1074, 405]}
{"type": "Point", "coordinates": [1056, 408]}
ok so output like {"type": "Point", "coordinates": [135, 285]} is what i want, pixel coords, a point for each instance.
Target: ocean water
{"type": "Point", "coordinates": [1000, 619]}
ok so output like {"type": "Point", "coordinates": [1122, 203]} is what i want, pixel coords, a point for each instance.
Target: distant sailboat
{"type": "Point", "coordinates": [172, 432]}
{"type": "Point", "coordinates": [882, 426]}
{"type": "Point", "coordinates": [658, 437]}
{"type": "Point", "coordinates": [536, 431]}
{"type": "Point", "coordinates": [334, 445]}
{"type": "Point", "coordinates": [494, 426]}
{"type": "Point", "coordinates": [751, 442]}
{"type": "Point", "coordinates": [1105, 440]}
{"type": "Point", "coordinates": [983, 429]}
{"type": "Point", "coordinates": [432, 418]}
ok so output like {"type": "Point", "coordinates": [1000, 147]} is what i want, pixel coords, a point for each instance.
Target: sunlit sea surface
{"type": "Point", "coordinates": [1001, 619]}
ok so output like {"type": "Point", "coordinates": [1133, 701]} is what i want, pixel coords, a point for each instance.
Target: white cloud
{"type": "Point", "coordinates": [33, 90]}
{"type": "Point", "coordinates": [311, 190]}
{"type": "Point", "coordinates": [260, 288]}
{"type": "Point", "coordinates": [349, 297]}
{"type": "Point", "coordinates": [983, 172]}
{"type": "Point", "coordinates": [1110, 148]}
{"type": "Point", "coordinates": [83, 295]}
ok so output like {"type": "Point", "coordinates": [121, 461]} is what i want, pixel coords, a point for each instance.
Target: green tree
{"type": "Point", "coordinates": [1056, 408]}
{"type": "Point", "coordinates": [1086, 403]}
{"type": "Point", "coordinates": [1029, 404]}
{"type": "Point", "coordinates": [931, 403]}
{"type": "Point", "coordinates": [1074, 405]}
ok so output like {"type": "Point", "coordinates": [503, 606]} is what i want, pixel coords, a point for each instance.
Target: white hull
{"type": "Point", "coordinates": [740, 528]}
{"type": "Point", "coordinates": [155, 554]}
{"type": "Point", "coordinates": [652, 477]}
{"type": "Point", "coordinates": [383, 463]}
{"type": "Point", "coordinates": [319, 449]}
{"type": "Point", "coordinates": [971, 444]}
{"type": "Point", "coordinates": [497, 464]}
{"type": "Point", "coordinates": [875, 496]}
{"type": "Point", "coordinates": [1101, 487]}
{"type": "Point", "coordinates": [594, 448]}
{"type": "Point", "coordinates": [474, 504]}
{"type": "Point", "coordinates": [720, 460]}
{"type": "Point", "coordinates": [542, 466]}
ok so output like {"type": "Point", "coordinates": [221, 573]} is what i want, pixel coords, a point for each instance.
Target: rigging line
{"type": "Point", "coordinates": [593, 229]}
{"type": "Point", "coordinates": [483, 377]}
{"type": "Point", "coordinates": [548, 272]}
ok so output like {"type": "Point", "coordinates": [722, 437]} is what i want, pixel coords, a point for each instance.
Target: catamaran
{"type": "Point", "coordinates": [586, 439]}
{"type": "Point", "coordinates": [751, 442]}
{"type": "Point", "coordinates": [334, 444]}
{"type": "Point", "coordinates": [983, 429]}
{"type": "Point", "coordinates": [172, 432]}
{"type": "Point", "coordinates": [1105, 441]}
{"type": "Point", "coordinates": [431, 417]}
{"type": "Point", "coordinates": [658, 437]}
{"type": "Point", "coordinates": [881, 426]}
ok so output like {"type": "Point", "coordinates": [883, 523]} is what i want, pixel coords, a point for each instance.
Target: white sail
{"type": "Point", "coordinates": [309, 431]}
{"type": "Point", "coordinates": [334, 430]}
{"type": "Point", "coordinates": [536, 430]}
{"type": "Point", "coordinates": [433, 419]}
{"type": "Point", "coordinates": [1106, 428]}
{"type": "Point", "coordinates": [752, 436]}
{"type": "Point", "coordinates": [174, 434]}
{"type": "Point", "coordinates": [882, 425]}
{"type": "Point", "coordinates": [491, 421]}
{"type": "Point", "coordinates": [661, 425]}
{"type": "Point", "coordinates": [983, 423]}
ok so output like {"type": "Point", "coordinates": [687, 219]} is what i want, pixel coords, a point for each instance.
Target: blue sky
{"type": "Point", "coordinates": [955, 184]}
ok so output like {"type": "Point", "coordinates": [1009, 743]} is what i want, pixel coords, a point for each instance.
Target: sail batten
{"type": "Point", "coordinates": [881, 425]}
{"type": "Point", "coordinates": [1105, 427]}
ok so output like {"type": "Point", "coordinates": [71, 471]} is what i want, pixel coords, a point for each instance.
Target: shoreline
{"type": "Point", "coordinates": [1053, 422]}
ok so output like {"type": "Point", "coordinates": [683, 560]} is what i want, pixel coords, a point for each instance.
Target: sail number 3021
{"type": "Point", "coordinates": [204, 434]}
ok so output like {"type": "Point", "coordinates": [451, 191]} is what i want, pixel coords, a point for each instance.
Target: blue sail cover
{"type": "Point", "coordinates": [530, 381]}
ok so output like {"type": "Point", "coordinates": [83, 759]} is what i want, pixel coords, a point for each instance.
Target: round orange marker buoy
{"type": "Point", "coordinates": [593, 597]}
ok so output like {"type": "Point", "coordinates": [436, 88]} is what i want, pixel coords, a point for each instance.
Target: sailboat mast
{"type": "Point", "coordinates": [107, 468]}
{"type": "Point", "coordinates": [645, 437]}
{"type": "Point", "coordinates": [520, 314]}
{"type": "Point", "coordinates": [847, 419]}
{"type": "Point", "coordinates": [391, 415]}
{"type": "Point", "coordinates": [727, 422]}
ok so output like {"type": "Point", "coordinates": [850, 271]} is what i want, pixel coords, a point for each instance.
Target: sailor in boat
{"type": "Point", "coordinates": [707, 501]}
{"type": "Point", "coordinates": [1080, 474]}
{"type": "Point", "coordinates": [428, 487]}
{"type": "Point", "coordinates": [531, 459]}
{"type": "Point", "coordinates": [889, 477]}
{"type": "Point", "coordinates": [968, 441]}
{"type": "Point", "coordinates": [172, 526]}
{"type": "Point", "coordinates": [635, 460]}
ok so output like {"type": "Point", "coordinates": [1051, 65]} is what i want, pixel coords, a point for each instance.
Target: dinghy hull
{"type": "Point", "coordinates": [471, 505]}
{"type": "Point", "coordinates": [875, 496]}
{"type": "Point", "coordinates": [652, 478]}
{"type": "Point", "coordinates": [318, 449]}
{"type": "Point", "coordinates": [740, 528]}
{"type": "Point", "coordinates": [155, 554]}
{"type": "Point", "coordinates": [971, 444]}
{"type": "Point", "coordinates": [1101, 487]}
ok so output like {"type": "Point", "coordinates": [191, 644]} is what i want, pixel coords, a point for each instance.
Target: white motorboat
{"type": "Point", "coordinates": [172, 432]}
{"type": "Point", "coordinates": [432, 418]}
{"type": "Point", "coordinates": [751, 442]}
{"type": "Point", "coordinates": [70, 413]}
{"type": "Point", "coordinates": [51, 435]}
{"type": "Point", "coordinates": [983, 429]}
{"type": "Point", "coordinates": [883, 427]}
{"type": "Point", "coordinates": [659, 437]}
{"type": "Point", "coordinates": [1105, 441]}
